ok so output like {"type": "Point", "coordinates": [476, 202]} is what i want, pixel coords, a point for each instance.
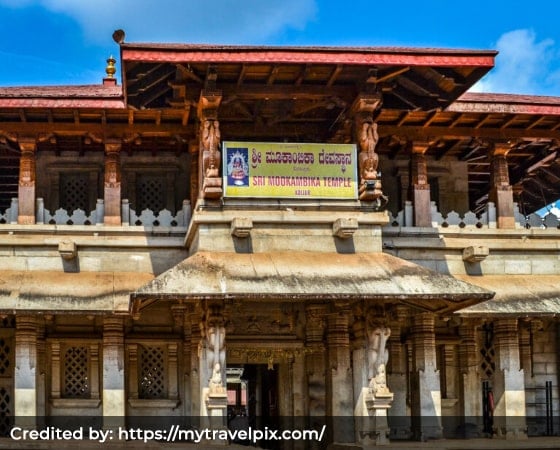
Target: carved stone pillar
{"type": "Point", "coordinates": [501, 192]}
{"type": "Point", "coordinates": [419, 186]}
{"type": "Point", "coordinates": [315, 358]}
{"type": "Point", "coordinates": [209, 142]}
{"type": "Point", "coordinates": [509, 384]}
{"type": "Point", "coordinates": [425, 383]}
{"type": "Point", "coordinates": [196, 350]}
{"type": "Point", "coordinates": [371, 393]}
{"type": "Point", "coordinates": [339, 376]}
{"type": "Point", "coordinates": [365, 131]}
{"type": "Point", "coordinates": [26, 185]}
{"type": "Point", "coordinates": [112, 184]}
{"type": "Point", "coordinates": [213, 367]}
{"type": "Point", "coordinates": [399, 416]}
{"type": "Point", "coordinates": [114, 398]}
{"type": "Point", "coordinates": [470, 405]}
{"type": "Point", "coordinates": [25, 374]}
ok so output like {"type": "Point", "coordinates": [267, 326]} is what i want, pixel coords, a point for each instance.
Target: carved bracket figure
{"type": "Point", "coordinates": [209, 143]}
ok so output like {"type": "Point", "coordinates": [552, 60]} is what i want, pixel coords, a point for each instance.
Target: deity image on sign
{"type": "Point", "coordinates": [237, 166]}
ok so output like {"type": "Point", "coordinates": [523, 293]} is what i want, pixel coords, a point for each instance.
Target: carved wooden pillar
{"type": "Point", "coordinates": [339, 375]}
{"type": "Point", "coordinates": [501, 192]}
{"type": "Point", "coordinates": [209, 143]}
{"type": "Point", "coordinates": [399, 417]}
{"type": "Point", "coordinates": [194, 175]}
{"type": "Point", "coordinates": [25, 374]}
{"type": "Point", "coordinates": [509, 383]}
{"type": "Point", "coordinates": [419, 186]}
{"type": "Point", "coordinates": [114, 398]}
{"type": "Point", "coordinates": [426, 392]}
{"type": "Point", "coordinates": [365, 132]}
{"type": "Point", "coordinates": [470, 406]}
{"type": "Point", "coordinates": [26, 185]}
{"type": "Point", "coordinates": [112, 185]}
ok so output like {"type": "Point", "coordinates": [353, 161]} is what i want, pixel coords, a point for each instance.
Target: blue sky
{"type": "Point", "coordinates": [67, 41]}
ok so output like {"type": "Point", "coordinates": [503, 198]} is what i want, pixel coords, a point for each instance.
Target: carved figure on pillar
{"type": "Point", "coordinates": [378, 355]}
{"type": "Point", "coordinates": [368, 161]}
{"type": "Point", "coordinates": [216, 349]}
{"type": "Point", "coordinates": [209, 142]}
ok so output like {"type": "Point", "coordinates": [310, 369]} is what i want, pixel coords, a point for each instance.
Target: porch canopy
{"type": "Point", "coordinates": [68, 292]}
{"type": "Point", "coordinates": [301, 276]}
{"type": "Point", "coordinates": [516, 296]}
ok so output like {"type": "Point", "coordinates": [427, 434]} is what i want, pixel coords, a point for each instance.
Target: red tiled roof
{"type": "Point", "coordinates": [476, 102]}
{"type": "Point", "coordinates": [85, 96]}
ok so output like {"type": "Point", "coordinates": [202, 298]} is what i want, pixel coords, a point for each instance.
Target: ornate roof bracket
{"type": "Point", "coordinates": [209, 142]}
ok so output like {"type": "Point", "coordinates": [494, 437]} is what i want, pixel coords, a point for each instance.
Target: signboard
{"type": "Point", "coordinates": [288, 170]}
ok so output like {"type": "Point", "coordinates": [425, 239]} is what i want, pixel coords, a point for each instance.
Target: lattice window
{"type": "Point", "coordinates": [74, 192]}
{"type": "Point", "coordinates": [151, 193]}
{"type": "Point", "coordinates": [5, 351]}
{"type": "Point", "coordinates": [6, 419]}
{"type": "Point", "coordinates": [152, 376]}
{"type": "Point", "coordinates": [487, 351]}
{"type": "Point", "coordinates": [76, 372]}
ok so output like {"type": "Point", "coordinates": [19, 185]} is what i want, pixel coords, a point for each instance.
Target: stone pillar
{"type": "Point", "coordinates": [425, 383]}
{"type": "Point", "coordinates": [25, 374]}
{"type": "Point", "coordinates": [186, 367]}
{"type": "Point", "coordinates": [399, 415]}
{"type": "Point", "coordinates": [26, 184]}
{"type": "Point", "coordinates": [114, 398]}
{"type": "Point", "coordinates": [213, 365]}
{"type": "Point", "coordinates": [194, 173]}
{"type": "Point", "coordinates": [112, 184]}
{"type": "Point", "coordinates": [42, 366]}
{"type": "Point", "coordinates": [470, 400]}
{"type": "Point", "coordinates": [501, 192]}
{"type": "Point", "coordinates": [509, 385]}
{"type": "Point", "coordinates": [419, 186]}
{"type": "Point", "coordinates": [371, 393]}
{"type": "Point", "coordinates": [315, 324]}
{"type": "Point", "coordinates": [196, 350]}
{"type": "Point", "coordinates": [339, 376]}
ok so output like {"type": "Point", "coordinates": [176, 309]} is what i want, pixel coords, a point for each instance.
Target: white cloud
{"type": "Point", "coordinates": [220, 21]}
{"type": "Point", "coordinates": [523, 66]}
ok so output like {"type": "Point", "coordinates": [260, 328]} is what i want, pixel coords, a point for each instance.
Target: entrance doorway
{"type": "Point", "coordinates": [252, 391]}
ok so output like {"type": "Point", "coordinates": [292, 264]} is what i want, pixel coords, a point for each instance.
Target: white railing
{"type": "Point", "coordinates": [486, 219]}
{"type": "Point", "coordinates": [550, 221]}
{"type": "Point", "coordinates": [146, 218]}
{"type": "Point", "coordinates": [405, 218]}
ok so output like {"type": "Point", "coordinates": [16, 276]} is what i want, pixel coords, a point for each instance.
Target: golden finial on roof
{"type": "Point", "coordinates": [111, 69]}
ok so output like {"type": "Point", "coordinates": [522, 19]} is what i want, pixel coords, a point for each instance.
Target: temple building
{"type": "Point", "coordinates": [249, 235]}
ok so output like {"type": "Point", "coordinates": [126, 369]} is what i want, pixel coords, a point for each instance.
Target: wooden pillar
{"type": "Point", "coordinates": [26, 184]}
{"type": "Point", "coordinates": [509, 383]}
{"type": "Point", "coordinates": [366, 137]}
{"type": "Point", "coordinates": [114, 398]}
{"type": "Point", "coordinates": [209, 142]}
{"type": "Point", "coordinates": [112, 185]}
{"type": "Point", "coordinates": [25, 374]}
{"type": "Point", "coordinates": [426, 391]}
{"type": "Point", "coordinates": [399, 417]}
{"type": "Point", "coordinates": [470, 400]}
{"type": "Point", "coordinates": [339, 376]}
{"type": "Point", "coordinates": [501, 192]}
{"type": "Point", "coordinates": [419, 186]}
